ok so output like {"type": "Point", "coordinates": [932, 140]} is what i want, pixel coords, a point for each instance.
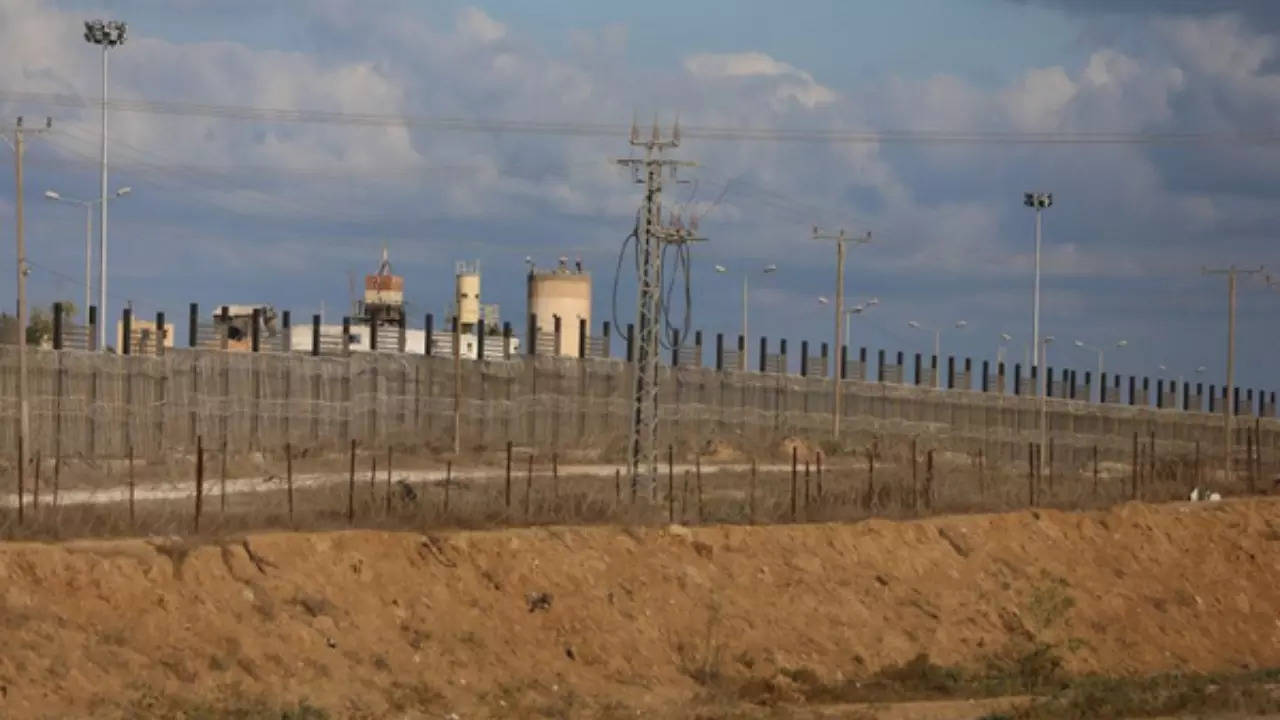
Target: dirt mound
{"type": "Point", "coordinates": [592, 622]}
{"type": "Point", "coordinates": [721, 451]}
{"type": "Point", "coordinates": [804, 450]}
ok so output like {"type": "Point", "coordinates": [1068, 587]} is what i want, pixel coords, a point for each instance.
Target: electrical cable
{"type": "Point", "coordinates": [567, 128]}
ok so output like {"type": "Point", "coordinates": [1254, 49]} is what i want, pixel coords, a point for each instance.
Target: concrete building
{"type": "Point", "coordinates": [144, 335]}
{"type": "Point", "coordinates": [563, 292]}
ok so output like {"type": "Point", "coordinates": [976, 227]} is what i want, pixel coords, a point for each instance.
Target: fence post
{"type": "Point", "coordinates": [697, 469]}
{"type": "Point", "coordinates": [915, 485]}
{"type": "Point", "coordinates": [719, 352]}
{"type": "Point", "coordinates": [346, 335]}
{"type": "Point", "coordinates": [132, 517]}
{"type": "Point", "coordinates": [315, 335]}
{"type": "Point", "coordinates": [351, 486]}
{"type": "Point", "coordinates": [1133, 470]}
{"type": "Point", "coordinates": [222, 506]}
{"type": "Point", "coordinates": [507, 493]}
{"type": "Point", "coordinates": [506, 341]}
{"type": "Point", "coordinates": [794, 458]}
{"type": "Point", "coordinates": [429, 334]}
{"type": "Point", "coordinates": [928, 481]}
{"type": "Point", "coordinates": [804, 358]}
{"type": "Point", "coordinates": [193, 325]}
{"type": "Point", "coordinates": [807, 476]}
{"type": "Point", "coordinates": [528, 489]}
{"type": "Point", "coordinates": [631, 342]}
{"type": "Point", "coordinates": [764, 349]}
{"type": "Point", "coordinates": [1031, 474]}
{"type": "Point", "coordinates": [288, 475]}
{"type": "Point", "coordinates": [606, 340]}
{"type": "Point", "coordinates": [819, 460]}
{"type": "Point", "coordinates": [558, 336]}
{"type": "Point", "coordinates": [199, 480]}
{"type": "Point", "coordinates": [582, 337]}
{"type": "Point", "coordinates": [843, 372]}
{"type": "Point", "coordinates": [480, 340]}
{"type": "Point", "coordinates": [671, 484]}
{"type": "Point", "coordinates": [255, 332]}
{"type": "Point", "coordinates": [531, 331]}
{"type": "Point", "coordinates": [1095, 469]}
{"type": "Point", "coordinates": [675, 348]}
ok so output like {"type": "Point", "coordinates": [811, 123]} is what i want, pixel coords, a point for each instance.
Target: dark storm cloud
{"type": "Point", "coordinates": [1263, 15]}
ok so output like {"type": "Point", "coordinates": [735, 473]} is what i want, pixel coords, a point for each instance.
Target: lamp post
{"type": "Point", "coordinates": [850, 312]}
{"type": "Point", "coordinates": [1039, 201]}
{"type": "Point", "coordinates": [937, 346]}
{"type": "Point", "coordinates": [1005, 339]}
{"type": "Point", "coordinates": [88, 206]}
{"type": "Point", "coordinates": [107, 34]}
{"type": "Point", "coordinates": [1101, 351]}
{"type": "Point", "coordinates": [746, 339]}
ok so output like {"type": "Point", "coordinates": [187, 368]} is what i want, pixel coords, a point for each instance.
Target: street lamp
{"type": "Point", "coordinates": [746, 339]}
{"type": "Point", "coordinates": [107, 34]}
{"type": "Point", "coordinates": [1101, 351]}
{"type": "Point", "coordinates": [1005, 339]}
{"type": "Point", "coordinates": [850, 312]}
{"type": "Point", "coordinates": [937, 345]}
{"type": "Point", "coordinates": [1039, 201]}
{"type": "Point", "coordinates": [88, 206]}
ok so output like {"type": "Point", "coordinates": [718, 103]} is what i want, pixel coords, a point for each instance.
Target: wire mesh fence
{"type": "Point", "coordinates": [98, 405]}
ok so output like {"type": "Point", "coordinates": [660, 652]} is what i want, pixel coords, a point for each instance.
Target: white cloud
{"type": "Point", "coordinates": [474, 24]}
{"type": "Point", "coordinates": [1035, 103]}
{"type": "Point", "coordinates": [793, 84]}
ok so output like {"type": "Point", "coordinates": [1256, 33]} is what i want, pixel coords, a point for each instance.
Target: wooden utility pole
{"type": "Point", "coordinates": [1228, 403]}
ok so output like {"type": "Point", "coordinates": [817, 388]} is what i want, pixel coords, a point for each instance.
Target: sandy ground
{"type": "Point", "coordinates": [618, 622]}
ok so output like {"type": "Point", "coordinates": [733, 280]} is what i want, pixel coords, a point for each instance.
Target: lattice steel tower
{"type": "Point", "coordinates": [651, 235]}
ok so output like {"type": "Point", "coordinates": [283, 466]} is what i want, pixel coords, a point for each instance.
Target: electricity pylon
{"type": "Point", "coordinates": [651, 235]}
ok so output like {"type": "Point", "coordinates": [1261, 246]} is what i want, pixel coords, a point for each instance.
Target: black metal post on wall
{"type": "Point", "coordinates": [193, 325]}
{"type": "Point", "coordinates": [126, 346]}
{"type": "Point", "coordinates": [255, 335]}
{"type": "Point", "coordinates": [57, 326]}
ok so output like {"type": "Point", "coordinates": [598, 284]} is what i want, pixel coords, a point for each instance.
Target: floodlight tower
{"type": "Point", "coordinates": [1039, 201]}
{"type": "Point", "coordinates": [108, 34]}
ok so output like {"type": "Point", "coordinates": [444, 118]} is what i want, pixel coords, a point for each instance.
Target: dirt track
{"type": "Point", "coordinates": [367, 624]}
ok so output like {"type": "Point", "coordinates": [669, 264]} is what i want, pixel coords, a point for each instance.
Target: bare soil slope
{"type": "Point", "coordinates": [614, 621]}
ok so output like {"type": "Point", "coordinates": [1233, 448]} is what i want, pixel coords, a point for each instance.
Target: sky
{"type": "Point", "coordinates": [236, 210]}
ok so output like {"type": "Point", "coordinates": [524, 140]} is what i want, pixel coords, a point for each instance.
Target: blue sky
{"type": "Point", "coordinates": [244, 211]}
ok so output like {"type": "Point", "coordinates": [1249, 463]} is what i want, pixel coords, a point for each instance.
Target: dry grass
{"type": "Point", "coordinates": [851, 487]}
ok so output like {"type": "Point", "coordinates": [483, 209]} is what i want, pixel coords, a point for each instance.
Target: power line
{"type": "Point", "coordinates": [705, 132]}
